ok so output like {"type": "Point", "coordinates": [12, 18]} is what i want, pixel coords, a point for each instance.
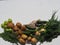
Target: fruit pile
{"type": "Point", "coordinates": [36, 31]}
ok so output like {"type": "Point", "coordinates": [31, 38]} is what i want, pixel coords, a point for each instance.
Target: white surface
{"type": "Point", "coordinates": [25, 11]}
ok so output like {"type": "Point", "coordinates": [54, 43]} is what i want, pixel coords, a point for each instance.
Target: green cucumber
{"type": "Point", "coordinates": [30, 28]}
{"type": "Point", "coordinates": [41, 22]}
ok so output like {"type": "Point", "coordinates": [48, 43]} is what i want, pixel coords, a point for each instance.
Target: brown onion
{"type": "Point", "coordinates": [18, 25]}
{"type": "Point", "coordinates": [10, 25]}
{"type": "Point", "coordinates": [15, 28]}
{"type": "Point", "coordinates": [23, 28]}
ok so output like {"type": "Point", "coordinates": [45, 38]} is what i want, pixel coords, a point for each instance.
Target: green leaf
{"type": "Point", "coordinates": [8, 36]}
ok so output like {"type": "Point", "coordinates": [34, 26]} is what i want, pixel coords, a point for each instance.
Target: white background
{"type": "Point", "coordinates": [25, 11]}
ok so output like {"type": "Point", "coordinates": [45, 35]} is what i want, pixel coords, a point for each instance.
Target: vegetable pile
{"type": "Point", "coordinates": [31, 33]}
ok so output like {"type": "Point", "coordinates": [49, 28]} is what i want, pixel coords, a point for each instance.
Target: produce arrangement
{"type": "Point", "coordinates": [36, 31]}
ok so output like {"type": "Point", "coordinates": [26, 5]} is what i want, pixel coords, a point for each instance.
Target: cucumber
{"type": "Point", "coordinates": [30, 28]}
{"type": "Point", "coordinates": [38, 25]}
{"type": "Point", "coordinates": [41, 22]}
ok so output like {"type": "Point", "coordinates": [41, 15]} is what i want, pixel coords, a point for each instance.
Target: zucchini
{"type": "Point", "coordinates": [29, 27]}
{"type": "Point", "coordinates": [38, 25]}
{"type": "Point", "coordinates": [41, 22]}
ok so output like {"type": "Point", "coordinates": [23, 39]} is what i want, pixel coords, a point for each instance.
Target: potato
{"type": "Point", "coordinates": [22, 41]}
{"type": "Point", "coordinates": [24, 36]}
{"type": "Point", "coordinates": [37, 33]}
{"type": "Point", "coordinates": [33, 40]}
{"type": "Point", "coordinates": [29, 38]}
